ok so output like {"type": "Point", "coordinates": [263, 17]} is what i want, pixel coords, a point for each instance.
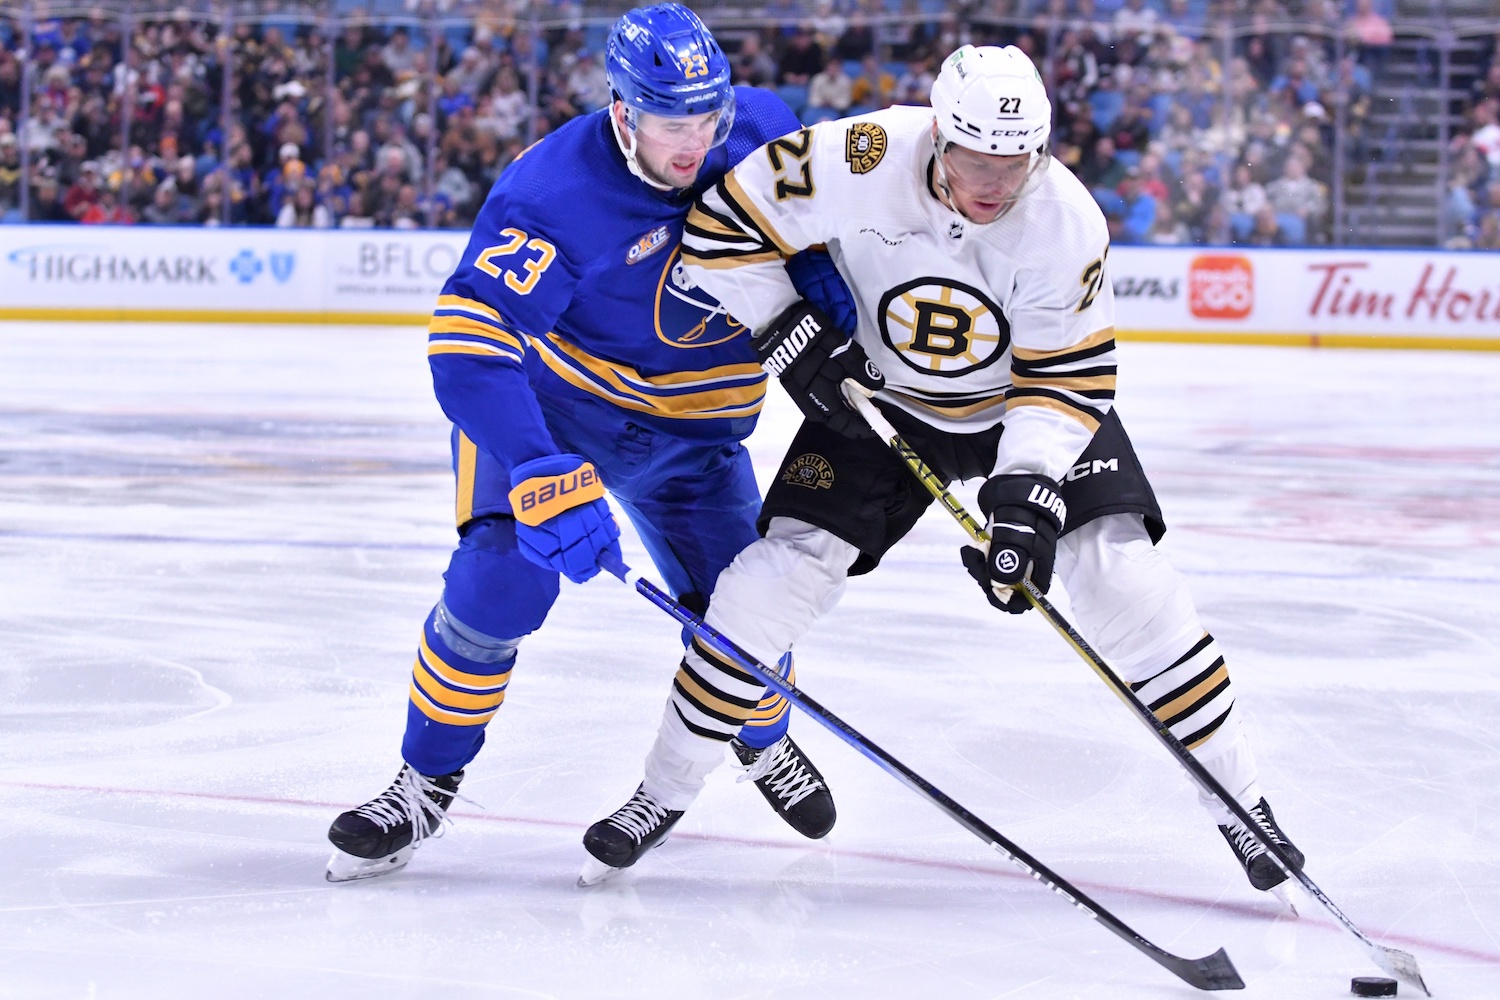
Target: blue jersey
{"type": "Point", "coordinates": [571, 285]}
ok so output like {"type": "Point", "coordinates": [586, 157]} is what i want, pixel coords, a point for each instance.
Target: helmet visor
{"type": "Point", "coordinates": [988, 177]}
{"type": "Point", "coordinates": [686, 133]}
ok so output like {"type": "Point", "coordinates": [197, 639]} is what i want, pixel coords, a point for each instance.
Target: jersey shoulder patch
{"type": "Point", "coordinates": [865, 144]}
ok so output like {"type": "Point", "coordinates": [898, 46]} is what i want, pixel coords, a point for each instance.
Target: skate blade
{"type": "Point", "coordinates": [1284, 897]}
{"type": "Point", "coordinates": [343, 867]}
{"type": "Point", "coordinates": [596, 871]}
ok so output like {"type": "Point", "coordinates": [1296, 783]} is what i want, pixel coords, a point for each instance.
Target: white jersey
{"type": "Point", "coordinates": [971, 324]}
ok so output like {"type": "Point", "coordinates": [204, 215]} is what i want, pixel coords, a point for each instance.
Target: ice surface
{"type": "Point", "coordinates": [217, 546]}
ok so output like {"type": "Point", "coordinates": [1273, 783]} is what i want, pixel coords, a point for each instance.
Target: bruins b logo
{"type": "Point", "coordinates": [943, 327]}
{"type": "Point", "coordinates": [812, 471]}
{"type": "Point", "coordinates": [864, 146]}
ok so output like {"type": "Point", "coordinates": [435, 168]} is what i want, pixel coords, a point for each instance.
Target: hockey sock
{"type": "Point", "coordinates": [768, 723]}
{"type": "Point", "coordinates": [1192, 697]}
{"type": "Point", "coordinates": [458, 683]}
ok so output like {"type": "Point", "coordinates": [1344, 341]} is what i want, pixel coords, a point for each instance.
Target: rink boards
{"type": "Point", "coordinates": [1325, 297]}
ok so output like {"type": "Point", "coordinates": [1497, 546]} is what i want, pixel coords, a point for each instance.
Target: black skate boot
{"type": "Point", "coordinates": [1262, 870]}
{"type": "Point", "coordinates": [790, 783]}
{"type": "Point", "coordinates": [617, 841]}
{"type": "Point", "coordinates": [381, 836]}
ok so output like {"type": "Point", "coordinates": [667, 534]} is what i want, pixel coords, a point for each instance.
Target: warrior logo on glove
{"type": "Point", "coordinates": [812, 357]}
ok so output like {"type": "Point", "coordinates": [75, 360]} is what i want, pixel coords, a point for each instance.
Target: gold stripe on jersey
{"type": "Point", "coordinates": [1193, 697]}
{"type": "Point", "coordinates": [1087, 417]}
{"type": "Point", "coordinates": [468, 456]}
{"type": "Point", "coordinates": [464, 304]}
{"type": "Point", "coordinates": [1064, 380]}
{"type": "Point", "coordinates": [1095, 339]}
{"type": "Point", "coordinates": [723, 263]}
{"type": "Point", "coordinates": [725, 391]}
{"type": "Point", "coordinates": [735, 198]}
{"type": "Point", "coordinates": [714, 240]}
{"type": "Point", "coordinates": [953, 409]}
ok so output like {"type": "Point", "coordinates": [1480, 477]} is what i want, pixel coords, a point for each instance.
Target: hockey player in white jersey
{"type": "Point", "coordinates": [986, 332]}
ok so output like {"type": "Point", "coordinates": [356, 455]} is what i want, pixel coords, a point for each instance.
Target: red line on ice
{"type": "Point", "coordinates": [1241, 909]}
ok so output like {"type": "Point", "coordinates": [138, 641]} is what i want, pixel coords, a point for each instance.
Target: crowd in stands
{"type": "Point", "coordinates": [1181, 139]}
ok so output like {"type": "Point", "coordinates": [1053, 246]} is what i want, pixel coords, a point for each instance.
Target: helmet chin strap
{"type": "Point", "coordinates": [627, 149]}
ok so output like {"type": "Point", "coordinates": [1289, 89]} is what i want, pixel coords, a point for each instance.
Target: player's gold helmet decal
{"type": "Point", "coordinates": [943, 327]}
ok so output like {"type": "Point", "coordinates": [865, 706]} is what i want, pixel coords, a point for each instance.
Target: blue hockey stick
{"type": "Point", "coordinates": [1212, 972]}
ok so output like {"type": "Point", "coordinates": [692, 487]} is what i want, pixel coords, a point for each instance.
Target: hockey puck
{"type": "Point", "coordinates": [1372, 986]}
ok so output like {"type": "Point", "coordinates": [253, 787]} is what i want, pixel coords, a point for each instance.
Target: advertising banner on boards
{"type": "Point", "coordinates": [1326, 296]}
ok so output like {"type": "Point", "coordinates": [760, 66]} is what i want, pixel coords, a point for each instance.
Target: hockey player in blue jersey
{"type": "Point", "coordinates": [573, 357]}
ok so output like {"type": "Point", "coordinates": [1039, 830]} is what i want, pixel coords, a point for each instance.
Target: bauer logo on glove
{"type": "Point", "coordinates": [541, 497]}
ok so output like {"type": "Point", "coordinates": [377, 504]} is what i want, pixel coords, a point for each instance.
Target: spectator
{"type": "Point", "coordinates": [1486, 135]}
{"type": "Point", "coordinates": [507, 107]}
{"type": "Point", "coordinates": [1194, 204]}
{"type": "Point", "coordinates": [302, 211]}
{"type": "Point", "coordinates": [1103, 169]}
{"type": "Point", "coordinates": [163, 210]}
{"type": "Point", "coordinates": [1135, 20]}
{"type": "Point", "coordinates": [1488, 235]}
{"type": "Point", "coordinates": [1267, 231]}
{"type": "Point", "coordinates": [108, 211]}
{"type": "Point", "coordinates": [1245, 196]}
{"type": "Point", "coordinates": [398, 57]}
{"type": "Point", "coordinates": [1295, 193]}
{"type": "Point", "coordinates": [84, 193]}
{"type": "Point", "coordinates": [1167, 229]}
{"type": "Point", "coordinates": [915, 85]}
{"type": "Point", "coordinates": [1368, 27]}
{"type": "Point", "coordinates": [588, 87]}
{"type": "Point", "coordinates": [831, 90]}
{"type": "Point", "coordinates": [874, 87]}
{"type": "Point", "coordinates": [357, 217]}
{"type": "Point", "coordinates": [1138, 213]}
{"type": "Point", "coordinates": [803, 58]}
{"type": "Point", "coordinates": [754, 66]}
{"type": "Point", "coordinates": [46, 206]}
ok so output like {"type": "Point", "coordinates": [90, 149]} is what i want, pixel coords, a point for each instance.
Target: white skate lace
{"type": "Point", "coordinates": [1246, 843]}
{"type": "Point", "coordinates": [409, 800]}
{"type": "Point", "coordinates": [788, 778]}
{"type": "Point", "coordinates": [639, 816]}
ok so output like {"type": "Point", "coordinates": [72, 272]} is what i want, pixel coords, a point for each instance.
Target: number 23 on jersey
{"type": "Point", "coordinates": [533, 267]}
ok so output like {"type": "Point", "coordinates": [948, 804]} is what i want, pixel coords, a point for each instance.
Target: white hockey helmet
{"type": "Point", "coordinates": [992, 100]}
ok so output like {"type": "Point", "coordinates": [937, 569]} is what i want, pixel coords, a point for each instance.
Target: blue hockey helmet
{"type": "Point", "coordinates": [664, 61]}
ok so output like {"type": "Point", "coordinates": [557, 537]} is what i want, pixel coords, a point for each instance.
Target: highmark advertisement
{"type": "Point", "coordinates": [228, 275]}
{"type": "Point", "coordinates": [1334, 297]}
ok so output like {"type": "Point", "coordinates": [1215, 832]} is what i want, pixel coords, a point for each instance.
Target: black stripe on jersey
{"type": "Point", "coordinates": [1193, 739]}
{"type": "Point", "coordinates": [1198, 705]}
{"type": "Point", "coordinates": [1036, 369]}
{"type": "Point", "coordinates": [1200, 647]}
{"type": "Point", "coordinates": [1080, 355]}
{"type": "Point", "coordinates": [1065, 398]}
{"type": "Point", "coordinates": [748, 704]}
{"type": "Point", "coordinates": [746, 217]}
{"type": "Point", "coordinates": [712, 713]}
{"type": "Point", "coordinates": [728, 222]}
{"type": "Point", "coordinates": [1187, 686]}
{"type": "Point", "coordinates": [731, 669]}
{"type": "Point", "coordinates": [703, 731]}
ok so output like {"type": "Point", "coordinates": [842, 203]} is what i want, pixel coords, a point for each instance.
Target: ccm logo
{"type": "Point", "coordinates": [791, 345]}
{"type": "Point", "coordinates": [558, 487]}
{"type": "Point", "coordinates": [1100, 465]}
{"type": "Point", "coordinates": [1221, 287]}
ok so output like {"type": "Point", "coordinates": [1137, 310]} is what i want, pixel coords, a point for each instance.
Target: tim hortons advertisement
{"type": "Point", "coordinates": [1329, 296]}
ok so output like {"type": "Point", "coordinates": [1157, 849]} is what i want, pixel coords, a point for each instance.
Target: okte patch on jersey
{"type": "Point", "coordinates": [942, 327]}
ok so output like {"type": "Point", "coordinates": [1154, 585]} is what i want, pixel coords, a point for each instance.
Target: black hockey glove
{"type": "Point", "coordinates": [812, 357]}
{"type": "Point", "coordinates": [1026, 513]}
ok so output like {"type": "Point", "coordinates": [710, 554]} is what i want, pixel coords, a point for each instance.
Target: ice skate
{"type": "Point", "coordinates": [381, 836]}
{"type": "Point", "coordinates": [790, 783]}
{"type": "Point", "coordinates": [618, 841]}
{"type": "Point", "coordinates": [1262, 870]}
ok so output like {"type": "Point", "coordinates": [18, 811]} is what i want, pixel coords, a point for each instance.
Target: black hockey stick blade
{"type": "Point", "coordinates": [1211, 972]}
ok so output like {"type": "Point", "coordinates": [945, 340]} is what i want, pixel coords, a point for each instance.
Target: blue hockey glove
{"type": "Point", "coordinates": [1026, 514]}
{"type": "Point", "coordinates": [562, 519]}
{"type": "Point", "coordinates": [818, 281]}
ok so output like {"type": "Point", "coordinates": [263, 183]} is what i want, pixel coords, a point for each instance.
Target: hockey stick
{"type": "Point", "coordinates": [1212, 972]}
{"type": "Point", "coordinates": [1401, 964]}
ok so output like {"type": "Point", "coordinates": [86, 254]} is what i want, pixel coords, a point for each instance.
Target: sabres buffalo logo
{"type": "Point", "coordinates": [686, 315]}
